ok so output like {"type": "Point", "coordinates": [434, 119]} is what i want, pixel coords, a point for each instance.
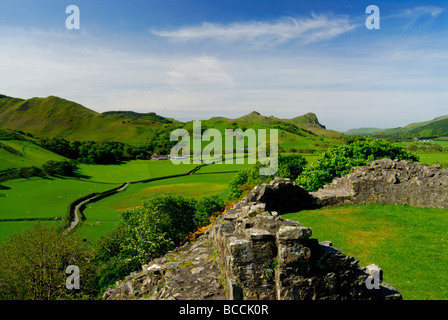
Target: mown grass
{"type": "Point", "coordinates": [432, 158]}
{"type": "Point", "coordinates": [102, 216]}
{"type": "Point", "coordinates": [408, 243]}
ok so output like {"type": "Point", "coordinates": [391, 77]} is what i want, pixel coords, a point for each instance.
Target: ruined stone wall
{"type": "Point", "coordinates": [251, 252]}
{"type": "Point", "coordinates": [388, 182]}
{"type": "Point", "coordinates": [262, 256]}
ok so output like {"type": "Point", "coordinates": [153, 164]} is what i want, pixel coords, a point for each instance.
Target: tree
{"type": "Point", "coordinates": [33, 264]}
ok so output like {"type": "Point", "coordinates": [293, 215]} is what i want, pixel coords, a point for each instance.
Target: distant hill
{"type": "Point", "coordinates": [131, 115]}
{"type": "Point", "coordinates": [56, 117]}
{"type": "Point", "coordinates": [435, 128]}
{"type": "Point", "coordinates": [362, 131]}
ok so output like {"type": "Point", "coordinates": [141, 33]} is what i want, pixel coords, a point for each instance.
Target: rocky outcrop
{"type": "Point", "coordinates": [389, 182]}
{"type": "Point", "coordinates": [251, 252]}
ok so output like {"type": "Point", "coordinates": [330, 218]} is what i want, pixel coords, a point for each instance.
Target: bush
{"type": "Point", "coordinates": [147, 232]}
{"type": "Point", "coordinates": [205, 208]}
{"type": "Point", "coordinates": [289, 166]}
{"type": "Point", "coordinates": [338, 162]}
{"type": "Point", "coordinates": [62, 168]}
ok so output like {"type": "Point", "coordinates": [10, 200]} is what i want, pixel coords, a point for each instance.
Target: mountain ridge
{"type": "Point", "coordinates": [52, 117]}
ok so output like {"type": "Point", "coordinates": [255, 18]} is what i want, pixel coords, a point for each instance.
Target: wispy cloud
{"type": "Point", "coordinates": [311, 29]}
{"type": "Point", "coordinates": [417, 12]}
{"type": "Point", "coordinates": [413, 14]}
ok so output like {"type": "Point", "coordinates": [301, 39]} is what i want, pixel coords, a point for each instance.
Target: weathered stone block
{"type": "Point", "coordinates": [241, 251]}
{"type": "Point", "coordinates": [293, 233]}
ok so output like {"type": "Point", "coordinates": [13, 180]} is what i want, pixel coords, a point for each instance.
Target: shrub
{"type": "Point", "coordinates": [289, 166]}
{"type": "Point", "coordinates": [340, 161]}
{"type": "Point", "coordinates": [205, 208]}
{"type": "Point", "coordinates": [147, 232]}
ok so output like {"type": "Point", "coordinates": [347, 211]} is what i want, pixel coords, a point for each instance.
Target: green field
{"type": "Point", "coordinates": [135, 170]}
{"type": "Point", "coordinates": [102, 216]}
{"type": "Point", "coordinates": [39, 198]}
{"type": "Point", "coordinates": [431, 158]}
{"type": "Point", "coordinates": [408, 243]}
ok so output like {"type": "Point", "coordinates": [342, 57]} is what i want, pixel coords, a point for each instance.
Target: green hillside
{"type": "Point", "coordinates": [435, 128]}
{"type": "Point", "coordinates": [21, 153]}
{"type": "Point", "coordinates": [56, 117]}
{"type": "Point", "coordinates": [362, 131]}
{"type": "Point", "coordinates": [302, 134]}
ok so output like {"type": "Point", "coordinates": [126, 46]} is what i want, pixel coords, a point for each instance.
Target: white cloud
{"type": "Point", "coordinates": [193, 72]}
{"type": "Point", "coordinates": [312, 29]}
{"type": "Point", "coordinates": [417, 12]}
{"type": "Point", "coordinates": [398, 79]}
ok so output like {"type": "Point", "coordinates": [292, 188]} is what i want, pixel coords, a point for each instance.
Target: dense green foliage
{"type": "Point", "coordinates": [50, 168]}
{"type": "Point", "coordinates": [289, 166]}
{"type": "Point", "coordinates": [340, 161]}
{"type": "Point", "coordinates": [106, 152]}
{"type": "Point", "coordinates": [33, 264]}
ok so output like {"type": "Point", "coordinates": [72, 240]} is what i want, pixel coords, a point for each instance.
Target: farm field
{"type": "Point", "coordinates": [102, 216]}
{"type": "Point", "coordinates": [39, 198]}
{"type": "Point", "coordinates": [135, 170]}
{"type": "Point", "coordinates": [431, 158]}
{"type": "Point", "coordinates": [408, 243]}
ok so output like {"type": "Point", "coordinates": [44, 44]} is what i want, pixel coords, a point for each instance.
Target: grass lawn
{"type": "Point", "coordinates": [408, 243]}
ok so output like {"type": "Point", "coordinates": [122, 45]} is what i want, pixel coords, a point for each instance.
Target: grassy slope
{"type": "Point", "coordinates": [427, 129]}
{"type": "Point", "coordinates": [299, 133]}
{"type": "Point", "coordinates": [55, 117]}
{"type": "Point", "coordinates": [409, 244]}
{"type": "Point", "coordinates": [24, 154]}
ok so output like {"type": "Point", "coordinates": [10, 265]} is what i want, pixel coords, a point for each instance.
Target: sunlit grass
{"type": "Point", "coordinates": [408, 243]}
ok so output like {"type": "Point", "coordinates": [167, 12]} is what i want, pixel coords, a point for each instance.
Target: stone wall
{"type": "Point", "coordinates": [253, 253]}
{"type": "Point", "coordinates": [263, 256]}
{"type": "Point", "coordinates": [389, 182]}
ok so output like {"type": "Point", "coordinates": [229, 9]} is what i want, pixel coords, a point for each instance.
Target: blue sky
{"type": "Point", "coordinates": [198, 59]}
